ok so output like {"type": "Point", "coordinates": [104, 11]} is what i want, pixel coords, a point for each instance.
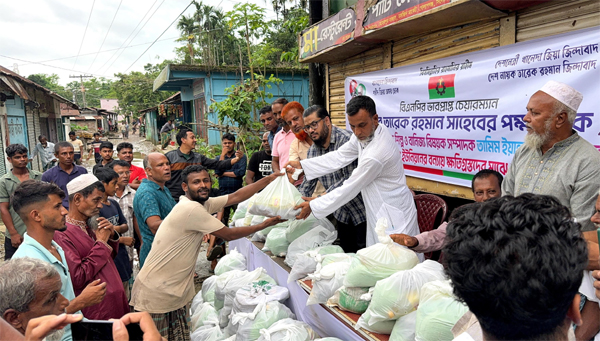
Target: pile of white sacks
{"type": "Point", "coordinates": [385, 283]}
{"type": "Point", "coordinates": [287, 239]}
{"type": "Point", "coordinates": [236, 304]}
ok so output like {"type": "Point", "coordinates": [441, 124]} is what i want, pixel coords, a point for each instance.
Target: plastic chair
{"type": "Point", "coordinates": [428, 208]}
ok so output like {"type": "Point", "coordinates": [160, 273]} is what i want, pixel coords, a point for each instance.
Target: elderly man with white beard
{"type": "Point", "coordinates": [555, 160]}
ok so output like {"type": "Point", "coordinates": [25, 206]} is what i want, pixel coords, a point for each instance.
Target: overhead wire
{"type": "Point", "coordinates": [171, 24]}
{"type": "Point", "coordinates": [138, 32]}
{"type": "Point", "coordinates": [126, 39]}
{"type": "Point", "coordinates": [84, 32]}
{"type": "Point", "coordinates": [107, 32]}
{"type": "Point", "coordinates": [90, 53]}
{"type": "Point", "coordinates": [56, 67]}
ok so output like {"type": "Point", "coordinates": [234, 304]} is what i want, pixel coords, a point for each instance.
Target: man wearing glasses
{"type": "Point", "coordinates": [350, 220]}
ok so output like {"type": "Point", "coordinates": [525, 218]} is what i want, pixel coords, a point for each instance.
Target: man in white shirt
{"type": "Point", "coordinates": [379, 176]}
{"type": "Point", "coordinates": [45, 151]}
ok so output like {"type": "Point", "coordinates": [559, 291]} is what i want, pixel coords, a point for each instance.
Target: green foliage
{"type": "Point", "coordinates": [95, 89]}
{"type": "Point", "coordinates": [285, 35]}
{"type": "Point", "coordinates": [75, 127]}
{"type": "Point", "coordinates": [243, 35]}
{"type": "Point", "coordinates": [50, 82]}
{"type": "Point", "coordinates": [134, 90]}
{"type": "Point", "coordinates": [240, 104]}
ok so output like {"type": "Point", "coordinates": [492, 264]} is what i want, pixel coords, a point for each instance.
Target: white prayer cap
{"type": "Point", "coordinates": [563, 93]}
{"type": "Point", "coordinates": [80, 183]}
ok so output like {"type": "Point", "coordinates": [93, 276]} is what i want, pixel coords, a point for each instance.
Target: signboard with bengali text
{"type": "Point", "coordinates": [333, 31]}
{"type": "Point", "coordinates": [387, 12]}
{"type": "Point", "coordinates": [455, 116]}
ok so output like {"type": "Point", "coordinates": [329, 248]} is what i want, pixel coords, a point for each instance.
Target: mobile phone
{"type": "Point", "coordinates": [237, 145]}
{"type": "Point", "coordinates": [97, 330]}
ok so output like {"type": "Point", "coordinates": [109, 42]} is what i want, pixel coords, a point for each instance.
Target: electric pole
{"type": "Point", "coordinates": [81, 77]}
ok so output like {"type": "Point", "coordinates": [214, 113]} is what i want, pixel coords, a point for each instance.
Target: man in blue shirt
{"type": "Point", "coordinates": [153, 201]}
{"type": "Point", "coordinates": [65, 171]}
{"type": "Point", "coordinates": [39, 205]}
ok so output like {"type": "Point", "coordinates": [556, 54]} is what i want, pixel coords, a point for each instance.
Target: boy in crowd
{"type": "Point", "coordinates": [137, 174]}
{"type": "Point", "coordinates": [77, 146]}
{"type": "Point", "coordinates": [95, 148]}
{"type": "Point", "coordinates": [113, 213]}
{"type": "Point", "coordinates": [106, 153]}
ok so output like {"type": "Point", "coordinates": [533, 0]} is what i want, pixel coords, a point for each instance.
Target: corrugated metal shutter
{"type": "Point", "coordinates": [557, 17]}
{"type": "Point", "coordinates": [446, 43]}
{"type": "Point", "coordinates": [368, 61]}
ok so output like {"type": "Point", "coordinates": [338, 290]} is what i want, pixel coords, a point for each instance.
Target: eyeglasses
{"type": "Point", "coordinates": [313, 125]}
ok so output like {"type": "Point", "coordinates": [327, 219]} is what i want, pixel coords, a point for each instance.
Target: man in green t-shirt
{"type": "Point", "coordinates": [15, 228]}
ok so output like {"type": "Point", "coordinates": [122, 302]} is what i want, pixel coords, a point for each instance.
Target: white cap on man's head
{"type": "Point", "coordinates": [81, 182]}
{"type": "Point", "coordinates": [563, 93]}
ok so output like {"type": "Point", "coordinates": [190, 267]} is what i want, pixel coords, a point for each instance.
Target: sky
{"type": "Point", "coordinates": [47, 36]}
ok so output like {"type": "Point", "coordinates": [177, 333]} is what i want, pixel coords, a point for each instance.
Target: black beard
{"type": "Point", "coordinates": [322, 137]}
{"type": "Point", "coordinates": [62, 229]}
{"type": "Point", "coordinates": [198, 198]}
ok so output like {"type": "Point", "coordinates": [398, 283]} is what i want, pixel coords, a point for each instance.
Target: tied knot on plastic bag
{"type": "Point", "coordinates": [382, 225]}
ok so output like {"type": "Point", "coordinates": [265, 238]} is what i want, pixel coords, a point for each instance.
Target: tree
{"type": "Point", "coordinates": [248, 20]}
{"type": "Point", "coordinates": [50, 82]}
{"type": "Point", "coordinates": [240, 102]}
{"type": "Point", "coordinates": [95, 89]}
{"type": "Point", "coordinates": [187, 26]}
{"type": "Point", "coordinates": [134, 90]}
{"type": "Point", "coordinates": [285, 35]}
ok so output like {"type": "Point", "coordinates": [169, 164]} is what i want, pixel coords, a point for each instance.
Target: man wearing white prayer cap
{"type": "Point", "coordinates": [90, 252]}
{"type": "Point", "coordinates": [555, 160]}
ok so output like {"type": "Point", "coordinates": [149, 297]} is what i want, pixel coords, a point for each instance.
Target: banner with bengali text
{"type": "Point", "coordinates": [455, 116]}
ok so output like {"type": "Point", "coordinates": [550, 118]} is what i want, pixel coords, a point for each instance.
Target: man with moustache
{"type": "Point", "coordinates": [136, 174]}
{"type": "Point", "coordinates": [30, 288]}
{"type": "Point", "coordinates": [39, 204]}
{"type": "Point", "coordinates": [165, 285]}
{"type": "Point", "coordinates": [153, 200]}
{"type": "Point", "coordinates": [65, 171]}
{"type": "Point", "coordinates": [259, 165]}
{"type": "Point", "coordinates": [292, 115]}
{"type": "Point", "coordinates": [90, 253]}
{"type": "Point", "coordinates": [350, 219]}
{"type": "Point", "coordinates": [185, 156]}
{"type": "Point", "coordinates": [283, 139]}
{"type": "Point", "coordinates": [379, 176]}
{"type": "Point", "coordinates": [555, 160]}
{"type": "Point", "coordinates": [267, 119]}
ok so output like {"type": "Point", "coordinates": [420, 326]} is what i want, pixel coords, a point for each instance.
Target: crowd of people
{"type": "Point", "coordinates": [520, 257]}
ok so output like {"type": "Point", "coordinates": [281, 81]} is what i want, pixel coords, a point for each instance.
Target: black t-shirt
{"type": "Point", "coordinates": [260, 164]}
{"type": "Point", "coordinates": [115, 216]}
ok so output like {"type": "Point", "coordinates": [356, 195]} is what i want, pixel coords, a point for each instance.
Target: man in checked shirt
{"type": "Point", "coordinates": [350, 219]}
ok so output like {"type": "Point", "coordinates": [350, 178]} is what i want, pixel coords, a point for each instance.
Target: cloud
{"type": "Point", "coordinates": [41, 30]}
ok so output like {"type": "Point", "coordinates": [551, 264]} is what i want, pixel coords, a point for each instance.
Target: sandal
{"type": "Point", "coordinates": [215, 252]}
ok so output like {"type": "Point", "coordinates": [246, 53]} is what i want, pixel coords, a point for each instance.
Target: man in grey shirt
{"type": "Point", "coordinates": [555, 160]}
{"type": "Point", "coordinates": [45, 151]}
{"type": "Point", "coordinates": [165, 131]}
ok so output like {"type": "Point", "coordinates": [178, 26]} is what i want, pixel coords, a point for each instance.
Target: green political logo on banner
{"type": "Point", "coordinates": [441, 86]}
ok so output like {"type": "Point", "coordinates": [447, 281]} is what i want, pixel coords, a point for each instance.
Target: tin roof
{"type": "Point", "coordinates": [16, 83]}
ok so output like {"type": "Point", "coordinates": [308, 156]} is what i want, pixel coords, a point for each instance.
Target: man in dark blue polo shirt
{"type": "Point", "coordinates": [65, 171]}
